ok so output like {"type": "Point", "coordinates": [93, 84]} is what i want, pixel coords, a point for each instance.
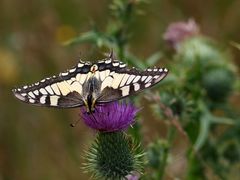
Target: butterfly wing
{"type": "Point", "coordinates": [119, 81]}
{"type": "Point", "coordinates": [70, 87]}
{"type": "Point", "coordinates": [63, 91]}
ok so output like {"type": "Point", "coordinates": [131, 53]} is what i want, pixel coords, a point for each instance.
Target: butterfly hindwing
{"type": "Point", "coordinates": [64, 90]}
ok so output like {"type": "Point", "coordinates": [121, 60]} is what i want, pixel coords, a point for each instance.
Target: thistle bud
{"type": "Point", "coordinates": [113, 156]}
{"type": "Point", "coordinates": [218, 83]}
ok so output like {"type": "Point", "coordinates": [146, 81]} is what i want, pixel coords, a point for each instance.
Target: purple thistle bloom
{"type": "Point", "coordinates": [179, 31]}
{"type": "Point", "coordinates": [110, 117]}
{"type": "Point", "coordinates": [133, 176]}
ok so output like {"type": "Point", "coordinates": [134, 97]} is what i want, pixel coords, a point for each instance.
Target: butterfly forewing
{"type": "Point", "coordinates": [64, 90]}
{"type": "Point", "coordinates": [125, 82]}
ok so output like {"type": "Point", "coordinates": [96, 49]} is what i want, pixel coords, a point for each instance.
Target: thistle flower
{"type": "Point", "coordinates": [179, 31]}
{"type": "Point", "coordinates": [133, 176]}
{"type": "Point", "coordinates": [110, 117]}
{"type": "Point", "coordinates": [113, 154]}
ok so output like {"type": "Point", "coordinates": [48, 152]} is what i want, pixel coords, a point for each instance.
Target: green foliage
{"type": "Point", "coordinates": [157, 158]}
{"type": "Point", "coordinates": [156, 153]}
{"type": "Point", "coordinates": [195, 168]}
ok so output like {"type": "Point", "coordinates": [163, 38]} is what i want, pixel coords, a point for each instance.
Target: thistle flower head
{"type": "Point", "coordinates": [110, 117]}
{"type": "Point", "coordinates": [179, 31]}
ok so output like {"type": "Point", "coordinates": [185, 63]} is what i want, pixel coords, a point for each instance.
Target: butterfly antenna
{"type": "Point", "coordinates": [111, 54]}
{"type": "Point", "coordinates": [75, 123]}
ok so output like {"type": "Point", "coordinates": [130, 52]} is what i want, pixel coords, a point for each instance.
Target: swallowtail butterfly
{"type": "Point", "coordinates": [90, 84]}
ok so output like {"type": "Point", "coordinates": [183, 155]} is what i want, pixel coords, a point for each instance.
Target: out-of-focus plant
{"type": "Point", "coordinates": [204, 79]}
{"type": "Point", "coordinates": [193, 100]}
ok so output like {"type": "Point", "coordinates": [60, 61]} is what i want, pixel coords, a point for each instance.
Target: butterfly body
{"type": "Point", "coordinates": [91, 92]}
{"type": "Point", "coordinates": [90, 84]}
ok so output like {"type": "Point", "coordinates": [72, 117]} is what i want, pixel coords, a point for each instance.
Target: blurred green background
{"type": "Point", "coordinates": [38, 143]}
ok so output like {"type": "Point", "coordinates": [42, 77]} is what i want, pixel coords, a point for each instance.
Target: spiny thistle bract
{"type": "Point", "coordinates": [113, 156]}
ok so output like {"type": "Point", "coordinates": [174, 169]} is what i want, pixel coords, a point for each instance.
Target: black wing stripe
{"type": "Point", "coordinates": [136, 79]}
{"type": "Point", "coordinates": [49, 90]}
{"type": "Point", "coordinates": [130, 79]}
{"type": "Point", "coordinates": [55, 89]}
{"type": "Point", "coordinates": [143, 78]}
{"type": "Point", "coordinates": [114, 65]}
{"type": "Point", "coordinates": [148, 79]}
{"type": "Point", "coordinates": [124, 80]}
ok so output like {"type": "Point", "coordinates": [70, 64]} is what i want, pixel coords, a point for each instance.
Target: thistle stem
{"type": "Point", "coordinates": [170, 138]}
